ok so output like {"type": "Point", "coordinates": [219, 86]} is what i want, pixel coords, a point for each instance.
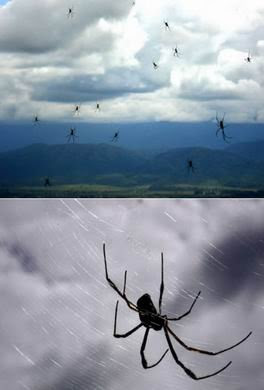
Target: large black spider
{"type": "Point", "coordinates": [153, 319]}
{"type": "Point", "coordinates": [221, 127]}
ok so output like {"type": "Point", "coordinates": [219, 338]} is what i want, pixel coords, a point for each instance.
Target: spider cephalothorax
{"type": "Point", "coordinates": [151, 318]}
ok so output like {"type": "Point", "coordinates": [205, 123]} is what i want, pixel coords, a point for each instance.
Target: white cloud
{"type": "Point", "coordinates": [41, 49]}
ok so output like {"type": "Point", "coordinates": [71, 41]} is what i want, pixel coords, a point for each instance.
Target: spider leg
{"type": "Point", "coordinates": [187, 312]}
{"type": "Point", "coordinates": [217, 131]}
{"type": "Point", "coordinates": [142, 349]}
{"type": "Point", "coordinates": [127, 333]}
{"type": "Point", "coordinates": [112, 284]}
{"type": "Point", "coordinates": [161, 284]}
{"type": "Point", "coordinates": [202, 350]}
{"type": "Point", "coordinates": [186, 369]}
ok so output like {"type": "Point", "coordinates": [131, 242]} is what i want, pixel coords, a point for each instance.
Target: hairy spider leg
{"type": "Point", "coordinates": [186, 369]}
{"type": "Point", "coordinates": [187, 312]}
{"type": "Point", "coordinates": [112, 284]}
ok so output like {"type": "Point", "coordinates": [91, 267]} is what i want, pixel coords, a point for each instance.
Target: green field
{"type": "Point", "coordinates": [144, 191]}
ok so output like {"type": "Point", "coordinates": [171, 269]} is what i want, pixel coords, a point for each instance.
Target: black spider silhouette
{"type": "Point", "coordinates": [77, 109]}
{"type": "Point", "coordinates": [36, 120]}
{"type": "Point", "coordinates": [47, 182]}
{"type": "Point", "coordinates": [115, 137]}
{"type": "Point", "coordinates": [248, 58]}
{"type": "Point", "coordinates": [150, 318]}
{"type": "Point", "coordinates": [72, 135]}
{"type": "Point", "coordinates": [70, 12]}
{"type": "Point", "coordinates": [176, 52]}
{"type": "Point", "coordinates": [166, 24]}
{"type": "Point", "coordinates": [190, 166]}
{"type": "Point", "coordinates": [155, 65]}
{"type": "Point", "coordinates": [97, 107]}
{"type": "Point", "coordinates": [221, 127]}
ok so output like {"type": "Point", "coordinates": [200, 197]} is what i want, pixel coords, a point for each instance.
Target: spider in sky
{"type": "Point", "coordinates": [72, 135]}
{"type": "Point", "coordinates": [36, 120]}
{"type": "Point", "coordinates": [115, 137]}
{"type": "Point", "coordinates": [150, 318]}
{"type": "Point", "coordinates": [77, 109]}
{"type": "Point", "coordinates": [97, 109]}
{"type": "Point", "coordinates": [166, 24]}
{"type": "Point", "coordinates": [221, 127]}
{"type": "Point", "coordinates": [70, 12]}
{"type": "Point", "coordinates": [248, 58]}
{"type": "Point", "coordinates": [176, 52]}
{"type": "Point", "coordinates": [190, 166]}
{"type": "Point", "coordinates": [155, 66]}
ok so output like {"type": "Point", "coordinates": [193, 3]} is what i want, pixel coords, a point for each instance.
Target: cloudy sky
{"type": "Point", "coordinates": [57, 310]}
{"type": "Point", "coordinates": [104, 53]}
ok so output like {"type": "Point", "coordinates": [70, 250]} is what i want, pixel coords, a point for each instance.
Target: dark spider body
{"type": "Point", "coordinates": [190, 166]}
{"type": "Point", "coordinates": [221, 127]}
{"type": "Point", "coordinates": [148, 313]}
{"type": "Point", "coordinates": [150, 318]}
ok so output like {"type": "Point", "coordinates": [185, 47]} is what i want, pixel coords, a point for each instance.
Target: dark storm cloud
{"type": "Point", "coordinates": [89, 371]}
{"type": "Point", "coordinates": [116, 82]}
{"type": "Point", "coordinates": [241, 263]}
{"type": "Point", "coordinates": [24, 258]}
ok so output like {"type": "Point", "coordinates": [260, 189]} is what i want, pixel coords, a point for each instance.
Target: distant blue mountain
{"type": "Point", "coordinates": [149, 136]}
{"type": "Point", "coordinates": [113, 165]}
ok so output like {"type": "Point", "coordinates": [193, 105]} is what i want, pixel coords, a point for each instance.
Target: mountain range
{"type": "Point", "coordinates": [238, 165]}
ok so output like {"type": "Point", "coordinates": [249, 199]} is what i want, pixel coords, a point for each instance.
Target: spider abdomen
{"type": "Point", "coordinates": [148, 314]}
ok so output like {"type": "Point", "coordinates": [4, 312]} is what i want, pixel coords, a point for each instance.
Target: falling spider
{"type": "Point", "coordinates": [176, 52]}
{"type": "Point", "coordinates": [72, 135]}
{"type": "Point", "coordinates": [97, 109]}
{"type": "Point", "coordinates": [221, 127]}
{"type": "Point", "coordinates": [150, 318]}
{"type": "Point", "coordinates": [166, 24]}
{"type": "Point", "coordinates": [248, 58]}
{"type": "Point", "coordinates": [155, 65]}
{"type": "Point", "coordinates": [115, 137]}
{"type": "Point", "coordinates": [77, 109]}
{"type": "Point", "coordinates": [190, 166]}
{"type": "Point", "coordinates": [70, 12]}
{"type": "Point", "coordinates": [36, 120]}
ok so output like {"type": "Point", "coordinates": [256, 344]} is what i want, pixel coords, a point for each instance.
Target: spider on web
{"type": "Point", "coordinates": [72, 135]}
{"type": "Point", "coordinates": [220, 123]}
{"type": "Point", "coordinates": [150, 318]}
